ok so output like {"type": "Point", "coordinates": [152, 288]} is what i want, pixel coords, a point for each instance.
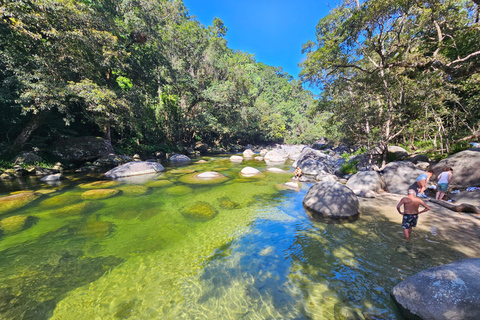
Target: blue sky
{"type": "Point", "coordinates": [272, 30]}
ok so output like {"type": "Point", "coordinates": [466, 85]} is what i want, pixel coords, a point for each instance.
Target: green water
{"type": "Point", "coordinates": [143, 254]}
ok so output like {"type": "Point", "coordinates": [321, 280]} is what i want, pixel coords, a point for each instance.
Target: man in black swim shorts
{"type": "Point", "coordinates": [410, 212]}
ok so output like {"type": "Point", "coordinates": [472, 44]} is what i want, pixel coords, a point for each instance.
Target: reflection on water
{"type": "Point", "coordinates": [168, 247]}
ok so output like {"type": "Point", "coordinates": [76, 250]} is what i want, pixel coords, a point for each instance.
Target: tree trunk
{"type": "Point", "coordinates": [35, 122]}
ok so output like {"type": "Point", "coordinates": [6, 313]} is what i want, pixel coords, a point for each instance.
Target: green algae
{"type": "Point", "coordinates": [95, 229]}
{"type": "Point", "coordinates": [199, 211]}
{"type": "Point", "coordinates": [61, 200]}
{"type": "Point", "coordinates": [181, 171]}
{"type": "Point", "coordinates": [16, 224]}
{"type": "Point", "coordinates": [99, 184]}
{"type": "Point", "coordinates": [77, 209]}
{"type": "Point", "coordinates": [179, 190]}
{"type": "Point", "coordinates": [159, 183]}
{"type": "Point", "coordinates": [226, 203]}
{"type": "Point", "coordinates": [97, 194]}
{"type": "Point", "coordinates": [134, 190]}
{"type": "Point", "coordinates": [16, 201]}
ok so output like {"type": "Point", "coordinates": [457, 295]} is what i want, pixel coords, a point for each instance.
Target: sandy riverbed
{"type": "Point", "coordinates": [461, 230]}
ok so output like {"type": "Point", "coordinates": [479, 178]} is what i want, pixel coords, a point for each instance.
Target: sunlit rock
{"type": "Point", "coordinates": [52, 177]}
{"type": "Point", "coordinates": [276, 170]}
{"type": "Point", "coordinates": [15, 201]}
{"type": "Point", "coordinates": [99, 185]}
{"type": "Point", "coordinates": [134, 168]}
{"type": "Point", "coordinates": [97, 194]}
{"type": "Point", "coordinates": [248, 153]}
{"type": "Point", "coordinates": [258, 158]}
{"type": "Point", "coordinates": [181, 171]}
{"type": "Point", "coordinates": [366, 183]}
{"type": "Point", "coordinates": [201, 161]}
{"type": "Point", "coordinates": [209, 177]}
{"type": "Point", "coordinates": [199, 211]}
{"type": "Point", "coordinates": [179, 190]}
{"type": "Point", "coordinates": [249, 171]}
{"type": "Point", "coordinates": [179, 158]}
{"type": "Point", "coordinates": [450, 291]}
{"type": "Point", "coordinates": [236, 159]}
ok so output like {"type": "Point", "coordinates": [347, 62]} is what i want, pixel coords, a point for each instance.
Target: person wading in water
{"type": "Point", "coordinates": [410, 212]}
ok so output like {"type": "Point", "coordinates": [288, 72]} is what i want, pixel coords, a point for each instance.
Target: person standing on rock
{"type": "Point", "coordinates": [443, 181]}
{"type": "Point", "coordinates": [410, 212]}
{"type": "Point", "coordinates": [422, 182]}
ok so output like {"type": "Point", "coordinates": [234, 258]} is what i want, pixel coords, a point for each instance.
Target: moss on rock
{"type": "Point", "coordinates": [226, 203]}
{"type": "Point", "coordinates": [15, 201]}
{"type": "Point", "coordinates": [76, 209]}
{"type": "Point", "coordinates": [99, 185]}
{"type": "Point", "coordinates": [159, 183]}
{"type": "Point", "coordinates": [99, 194]}
{"type": "Point", "coordinates": [181, 171]}
{"type": "Point", "coordinates": [179, 190]}
{"type": "Point", "coordinates": [60, 200]}
{"type": "Point", "coordinates": [134, 190]}
{"type": "Point", "coordinates": [199, 211]}
{"type": "Point", "coordinates": [13, 224]}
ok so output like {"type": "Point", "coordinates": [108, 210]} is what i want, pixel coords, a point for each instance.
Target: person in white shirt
{"type": "Point", "coordinates": [444, 180]}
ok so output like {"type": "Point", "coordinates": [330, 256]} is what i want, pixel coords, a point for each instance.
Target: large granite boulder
{"type": "Point", "coordinates": [274, 156]}
{"type": "Point", "coordinates": [468, 197]}
{"type": "Point", "coordinates": [366, 183]}
{"type": "Point", "coordinates": [26, 157]}
{"type": "Point", "coordinates": [446, 292]}
{"type": "Point", "coordinates": [179, 158]}
{"type": "Point", "coordinates": [397, 153]}
{"type": "Point", "coordinates": [313, 167]}
{"type": "Point", "coordinates": [465, 166]}
{"type": "Point", "coordinates": [329, 199]}
{"type": "Point", "coordinates": [134, 168]}
{"type": "Point", "coordinates": [82, 149]}
{"type": "Point", "coordinates": [312, 162]}
{"type": "Point", "coordinates": [248, 153]}
{"type": "Point", "coordinates": [400, 176]}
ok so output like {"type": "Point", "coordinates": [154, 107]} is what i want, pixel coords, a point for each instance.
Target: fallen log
{"type": "Point", "coordinates": [463, 207]}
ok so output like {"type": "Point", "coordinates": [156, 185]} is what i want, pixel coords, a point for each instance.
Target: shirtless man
{"type": "Point", "coordinates": [410, 212]}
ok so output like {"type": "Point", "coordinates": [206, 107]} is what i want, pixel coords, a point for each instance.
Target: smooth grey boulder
{"type": "Point", "coordinates": [465, 166]}
{"type": "Point", "coordinates": [52, 177]}
{"type": "Point", "coordinates": [248, 153]}
{"type": "Point", "coordinates": [468, 197]}
{"type": "Point", "coordinates": [134, 168]}
{"type": "Point", "coordinates": [447, 292]}
{"type": "Point", "coordinates": [328, 199]}
{"type": "Point", "coordinates": [366, 183]}
{"type": "Point", "coordinates": [179, 158]}
{"type": "Point", "coordinates": [313, 167]}
{"type": "Point", "coordinates": [398, 153]}
{"type": "Point", "coordinates": [400, 176]}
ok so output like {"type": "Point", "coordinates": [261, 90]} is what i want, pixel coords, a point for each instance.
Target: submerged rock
{"type": "Point", "coordinates": [15, 201]}
{"type": "Point", "coordinates": [135, 190]}
{"type": "Point", "coordinates": [199, 211]}
{"type": "Point", "coordinates": [60, 200]}
{"type": "Point", "coordinates": [97, 194]}
{"type": "Point", "coordinates": [226, 203]}
{"type": "Point", "coordinates": [209, 177]}
{"type": "Point", "coordinates": [179, 190]}
{"type": "Point", "coordinates": [15, 224]}
{"type": "Point", "coordinates": [96, 229]}
{"type": "Point", "coordinates": [99, 184]}
{"type": "Point", "coordinates": [77, 209]}
{"type": "Point", "coordinates": [450, 291]}
{"type": "Point", "coordinates": [159, 183]}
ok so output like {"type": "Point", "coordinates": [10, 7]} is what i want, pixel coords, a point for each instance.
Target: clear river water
{"type": "Point", "coordinates": [168, 247]}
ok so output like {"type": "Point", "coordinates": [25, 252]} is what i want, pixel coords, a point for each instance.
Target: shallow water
{"type": "Point", "coordinates": [139, 255]}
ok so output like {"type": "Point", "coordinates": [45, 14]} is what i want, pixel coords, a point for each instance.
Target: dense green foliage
{"type": "Point", "coordinates": [143, 73]}
{"type": "Point", "coordinates": [399, 71]}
